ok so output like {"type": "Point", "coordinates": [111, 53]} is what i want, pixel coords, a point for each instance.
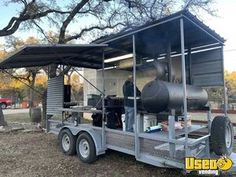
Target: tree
{"type": "Point", "coordinates": [230, 81]}
{"type": "Point", "coordinates": [108, 14]}
{"type": "Point", "coordinates": [216, 94]}
{"type": "Point", "coordinates": [3, 54]}
{"type": "Point", "coordinates": [11, 88]}
{"type": "Point", "coordinates": [28, 74]}
{"type": "Point", "coordinates": [15, 85]}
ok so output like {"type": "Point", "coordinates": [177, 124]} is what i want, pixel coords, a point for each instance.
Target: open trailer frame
{"type": "Point", "coordinates": [162, 149]}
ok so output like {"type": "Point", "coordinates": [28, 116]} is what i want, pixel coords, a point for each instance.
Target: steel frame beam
{"type": "Point", "coordinates": [184, 84]}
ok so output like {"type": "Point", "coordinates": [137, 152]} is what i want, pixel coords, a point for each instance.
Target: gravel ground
{"type": "Point", "coordinates": [38, 154]}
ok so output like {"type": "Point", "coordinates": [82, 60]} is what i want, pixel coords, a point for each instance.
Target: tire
{"type": "Point", "coordinates": [3, 105]}
{"type": "Point", "coordinates": [222, 136]}
{"type": "Point", "coordinates": [67, 142]}
{"type": "Point", "coordinates": [85, 148]}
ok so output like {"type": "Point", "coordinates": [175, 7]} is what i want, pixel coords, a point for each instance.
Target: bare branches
{"type": "Point", "coordinates": [30, 12]}
{"type": "Point", "coordinates": [69, 19]}
{"type": "Point", "coordinates": [91, 29]}
{"type": "Point", "coordinates": [106, 13]}
{"type": "Point", "coordinates": [42, 31]}
{"type": "Point", "coordinates": [196, 5]}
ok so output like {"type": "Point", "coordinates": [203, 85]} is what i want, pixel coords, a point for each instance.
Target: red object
{"type": "Point", "coordinates": [25, 104]}
{"type": "Point", "coordinates": [6, 102]}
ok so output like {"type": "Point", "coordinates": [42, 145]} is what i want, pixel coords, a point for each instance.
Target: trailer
{"type": "Point", "coordinates": [172, 59]}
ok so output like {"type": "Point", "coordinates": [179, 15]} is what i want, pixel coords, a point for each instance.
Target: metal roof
{"type": "Point", "coordinates": [89, 56]}
{"type": "Point", "coordinates": [151, 40]}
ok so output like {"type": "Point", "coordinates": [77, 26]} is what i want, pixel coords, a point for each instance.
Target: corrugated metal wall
{"type": "Point", "coordinates": [55, 95]}
{"type": "Point", "coordinates": [207, 68]}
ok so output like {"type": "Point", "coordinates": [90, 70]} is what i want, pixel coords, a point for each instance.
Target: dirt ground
{"type": "Point", "coordinates": [38, 155]}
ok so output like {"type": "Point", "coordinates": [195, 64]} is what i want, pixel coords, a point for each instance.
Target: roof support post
{"type": "Point", "coordinates": [103, 102]}
{"type": "Point", "coordinates": [190, 65]}
{"type": "Point", "coordinates": [225, 89]}
{"type": "Point", "coordinates": [184, 85]}
{"type": "Point", "coordinates": [137, 144]}
{"type": "Point", "coordinates": [169, 59]}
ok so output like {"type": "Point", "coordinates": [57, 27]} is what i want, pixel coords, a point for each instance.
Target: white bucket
{"type": "Point", "coordinates": [149, 121]}
{"type": "Point", "coordinates": [123, 121]}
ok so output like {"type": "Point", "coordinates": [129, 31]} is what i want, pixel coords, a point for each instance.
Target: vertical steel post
{"type": "Point", "coordinates": [103, 102]}
{"type": "Point", "coordinates": [190, 65]}
{"type": "Point", "coordinates": [169, 59]}
{"type": "Point", "coordinates": [225, 101]}
{"type": "Point", "coordinates": [47, 117]}
{"type": "Point", "coordinates": [184, 84]}
{"type": "Point", "coordinates": [135, 101]}
{"type": "Point", "coordinates": [63, 114]}
{"type": "Point", "coordinates": [171, 136]}
{"type": "Point", "coordinates": [225, 90]}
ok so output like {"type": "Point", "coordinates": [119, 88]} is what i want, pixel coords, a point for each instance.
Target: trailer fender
{"type": "Point", "coordinates": [97, 137]}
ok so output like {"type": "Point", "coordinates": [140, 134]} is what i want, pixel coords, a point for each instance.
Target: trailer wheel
{"type": "Point", "coordinates": [222, 136]}
{"type": "Point", "coordinates": [3, 105]}
{"type": "Point", "coordinates": [85, 148]}
{"type": "Point", "coordinates": [67, 142]}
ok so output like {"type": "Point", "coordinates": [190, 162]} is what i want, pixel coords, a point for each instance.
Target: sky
{"type": "Point", "coordinates": [223, 24]}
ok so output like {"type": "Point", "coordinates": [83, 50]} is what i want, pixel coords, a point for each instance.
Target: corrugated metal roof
{"type": "Point", "coordinates": [89, 56]}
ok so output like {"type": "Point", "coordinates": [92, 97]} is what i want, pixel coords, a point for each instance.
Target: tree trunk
{"type": "Point", "coordinates": [2, 119]}
{"type": "Point", "coordinates": [52, 71]}
{"type": "Point", "coordinates": [44, 116]}
{"type": "Point", "coordinates": [31, 93]}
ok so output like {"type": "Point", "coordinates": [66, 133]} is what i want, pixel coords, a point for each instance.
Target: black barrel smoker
{"type": "Point", "coordinates": [158, 96]}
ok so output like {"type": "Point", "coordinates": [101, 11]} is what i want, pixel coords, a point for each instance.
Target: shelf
{"type": "Point", "coordinates": [79, 110]}
{"type": "Point", "coordinates": [164, 136]}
